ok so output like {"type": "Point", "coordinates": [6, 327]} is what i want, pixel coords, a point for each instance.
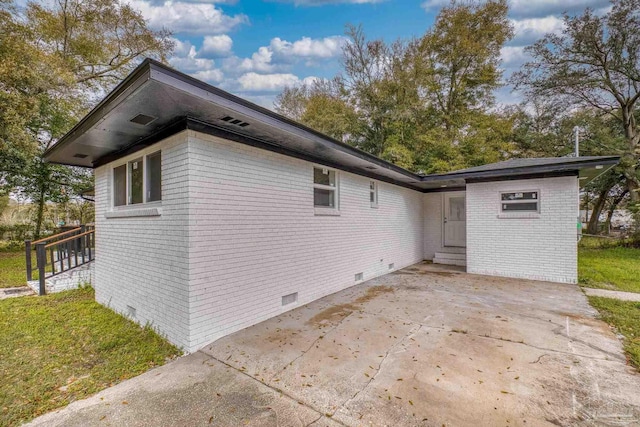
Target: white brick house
{"type": "Point", "coordinates": [213, 214]}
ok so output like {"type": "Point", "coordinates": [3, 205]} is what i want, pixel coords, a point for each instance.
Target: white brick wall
{"type": "Point", "coordinates": [237, 231]}
{"type": "Point", "coordinates": [542, 247]}
{"type": "Point", "coordinates": [142, 262]}
{"type": "Point", "coordinates": [254, 236]}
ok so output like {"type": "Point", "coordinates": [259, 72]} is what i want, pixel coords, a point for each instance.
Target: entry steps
{"type": "Point", "coordinates": [450, 259]}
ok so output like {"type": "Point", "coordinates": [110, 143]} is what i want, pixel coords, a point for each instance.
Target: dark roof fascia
{"type": "Point", "coordinates": [185, 123]}
{"type": "Point", "coordinates": [444, 189]}
{"type": "Point", "coordinates": [526, 170]}
{"type": "Point", "coordinates": [127, 86]}
{"type": "Point", "coordinates": [553, 174]}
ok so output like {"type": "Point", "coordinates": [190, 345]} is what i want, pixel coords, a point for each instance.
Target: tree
{"type": "Point", "coordinates": [594, 63]}
{"type": "Point", "coordinates": [424, 104]}
{"type": "Point", "coordinates": [457, 62]}
{"type": "Point", "coordinates": [76, 50]}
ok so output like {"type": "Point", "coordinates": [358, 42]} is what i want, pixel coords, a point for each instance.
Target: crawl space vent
{"type": "Point", "coordinates": [131, 312]}
{"type": "Point", "coordinates": [290, 299]}
{"type": "Point", "coordinates": [359, 277]}
{"type": "Point", "coordinates": [234, 121]}
{"type": "Point", "coordinates": [142, 119]}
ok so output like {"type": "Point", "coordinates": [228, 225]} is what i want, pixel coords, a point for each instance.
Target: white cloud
{"type": "Point", "coordinates": [216, 46]}
{"type": "Point", "coordinates": [191, 18]}
{"type": "Point", "coordinates": [189, 62]}
{"type": "Point", "coordinates": [513, 56]}
{"type": "Point", "coordinates": [210, 76]}
{"type": "Point", "coordinates": [307, 47]}
{"type": "Point", "coordinates": [535, 8]}
{"type": "Point", "coordinates": [270, 82]}
{"type": "Point", "coordinates": [529, 30]}
{"type": "Point", "coordinates": [280, 54]}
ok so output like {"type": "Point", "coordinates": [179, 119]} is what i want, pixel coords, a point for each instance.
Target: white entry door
{"type": "Point", "coordinates": [455, 219]}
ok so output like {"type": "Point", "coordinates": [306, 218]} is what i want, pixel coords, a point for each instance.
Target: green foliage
{"type": "Point", "coordinates": [53, 57]}
{"type": "Point", "coordinates": [423, 104]}
{"type": "Point", "coordinates": [625, 317]}
{"type": "Point", "coordinates": [594, 64]}
{"type": "Point", "coordinates": [63, 347]}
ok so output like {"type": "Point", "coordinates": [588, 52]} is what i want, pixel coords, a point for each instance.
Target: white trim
{"type": "Point", "coordinates": [137, 212]}
{"type": "Point", "coordinates": [327, 210]}
{"type": "Point", "coordinates": [142, 154]}
{"type": "Point", "coordinates": [519, 214]}
{"type": "Point", "coordinates": [443, 214]}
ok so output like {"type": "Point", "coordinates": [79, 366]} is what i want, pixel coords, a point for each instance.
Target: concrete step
{"type": "Point", "coordinates": [450, 259]}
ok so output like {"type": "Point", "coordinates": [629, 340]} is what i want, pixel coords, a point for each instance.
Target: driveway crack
{"type": "Point", "coordinates": [617, 357]}
{"type": "Point", "coordinates": [276, 389]}
{"type": "Point", "coordinates": [414, 330]}
{"type": "Point", "coordinates": [295, 359]}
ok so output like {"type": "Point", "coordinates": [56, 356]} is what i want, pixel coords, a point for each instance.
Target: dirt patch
{"type": "Point", "coordinates": [372, 293]}
{"type": "Point", "coordinates": [332, 315]}
{"type": "Point", "coordinates": [281, 335]}
{"type": "Point", "coordinates": [438, 273]}
{"type": "Point", "coordinates": [336, 313]}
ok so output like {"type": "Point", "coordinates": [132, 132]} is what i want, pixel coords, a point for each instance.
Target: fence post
{"type": "Point", "coordinates": [41, 260]}
{"type": "Point", "coordinates": [27, 249]}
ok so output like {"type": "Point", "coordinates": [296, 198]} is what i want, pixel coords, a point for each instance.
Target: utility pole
{"type": "Point", "coordinates": [576, 131]}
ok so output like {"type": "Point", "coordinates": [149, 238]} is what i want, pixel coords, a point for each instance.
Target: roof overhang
{"type": "Point", "coordinates": [155, 101]}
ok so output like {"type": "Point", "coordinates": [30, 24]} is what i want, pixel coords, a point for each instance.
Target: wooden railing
{"type": "Point", "coordinates": [60, 252]}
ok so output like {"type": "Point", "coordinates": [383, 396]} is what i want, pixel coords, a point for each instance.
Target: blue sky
{"type": "Point", "coordinates": [255, 48]}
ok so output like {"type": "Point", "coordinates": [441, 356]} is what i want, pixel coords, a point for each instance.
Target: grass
{"type": "Point", "coordinates": [63, 347]}
{"type": "Point", "coordinates": [615, 268]}
{"type": "Point", "coordinates": [625, 316]}
{"type": "Point", "coordinates": [13, 269]}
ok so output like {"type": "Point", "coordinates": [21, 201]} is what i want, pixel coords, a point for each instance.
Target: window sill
{"type": "Point", "coordinates": [130, 213]}
{"type": "Point", "coordinates": [326, 212]}
{"type": "Point", "coordinates": [530, 215]}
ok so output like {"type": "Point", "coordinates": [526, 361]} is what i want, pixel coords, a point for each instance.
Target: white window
{"type": "Point", "coordinates": [325, 194]}
{"type": "Point", "coordinates": [522, 201]}
{"type": "Point", "coordinates": [373, 193]}
{"type": "Point", "coordinates": [138, 181]}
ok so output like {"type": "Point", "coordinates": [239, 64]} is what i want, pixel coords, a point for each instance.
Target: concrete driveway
{"type": "Point", "coordinates": [421, 346]}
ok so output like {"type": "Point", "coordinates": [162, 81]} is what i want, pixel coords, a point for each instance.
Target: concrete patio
{"type": "Point", "coordinates": [422, 346]}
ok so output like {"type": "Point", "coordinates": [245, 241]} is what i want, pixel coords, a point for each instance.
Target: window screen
{"type": "Point", "coordinates": [323, 197]}
{"type": "Point", "coordinates": [154, 177]}
{"type": "Point", "coordinates": [324, 188]}
{"type": "Point", "coordinates": [522, 201]}
{"type": "Point", "coordinates": [120, 185]}
{"type": "Point", "coordinates": [324, 177]}
{"type": "Point", "coordinates": [373, 193]}
{"type": "Point", "coordinates": [135, 181]}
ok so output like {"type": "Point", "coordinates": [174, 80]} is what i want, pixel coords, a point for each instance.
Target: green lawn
{"type": "Point", "coordinates": [625, 316]}
{"type": "Point", "coordinates": [615, 268]}
{"type": "Point", "coordinates": [13, 269]}
{"type": "Point", "coordinates": [63, 347]}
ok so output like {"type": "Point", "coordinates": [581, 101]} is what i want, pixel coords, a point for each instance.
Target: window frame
{"type": "Point", "coordinates": [537, 201]}
{"type": "Point", "coordinates": [126, 162]}
{"type": "Point", "coordinates": [321, 209]}
{"type": "Point", "coordinates": [373, 191]}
